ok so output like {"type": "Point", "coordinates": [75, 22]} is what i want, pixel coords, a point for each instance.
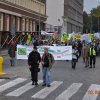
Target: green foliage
{"type": "Point", "coordinates": [96, 12]}
{"type": "Point", "coordinates": [90, 21]}
{"type": "Point", "coordinates": [86, 22]}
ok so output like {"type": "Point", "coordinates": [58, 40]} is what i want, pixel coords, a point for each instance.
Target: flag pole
{"type": "Point", "coordinates": [4, 42]}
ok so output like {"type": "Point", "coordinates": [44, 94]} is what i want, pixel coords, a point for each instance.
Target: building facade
{"type": "Point", "coordinates": [66, 14]}
{"type": "Point", "coordinates": [21, 16]}
{"type": "Point", "coordinates": [73, 15]}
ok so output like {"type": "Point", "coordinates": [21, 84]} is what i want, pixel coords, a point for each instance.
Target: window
{"type": "Point", "coordinates": [27, 25]}
{"type": "Point", "coordinates": [31, 26]}
{"type": "Point", "coordinates": [18, 24]}
{"type": "Point", "coordinates": [6, 23]}
{"type": "Point", "coordinates": [0, 22]}
{"type": "Point", "coordinates": [23, 24]}
{"type": "Point", "coordinates": [7, 17]}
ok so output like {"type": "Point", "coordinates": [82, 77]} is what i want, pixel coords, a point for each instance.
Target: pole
{"type": "Point", "coordinates": [12, 39]}
{"type": "Point", "coordinates": [4, 42]}
{"type": "Point", "coordinates": [98, 23]}
{"type": "Point", "coordinates": [23, 38]}
{"type": "Point", "coordinates": [91, 24]}
{"type": "Point", "coordinates": [39, 20]}
{"type": "Point", "coordinates": [17, 39]}
{"type": "Point", "coordinates": [39, 26]}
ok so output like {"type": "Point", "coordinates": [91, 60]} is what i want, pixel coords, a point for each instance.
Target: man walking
{"type": "Point", "coordinates": [33, 62]}
{"type": "Point", "coordinates": [85, 54]}
{"type": "Point", "coordinates": [92, 54]}
{"type": "Point", "coordinates": [75, 54]}
{"type": "Point", "coordinates": [12, 52]}
{"type": "Point", "coordinates": [47, 62]}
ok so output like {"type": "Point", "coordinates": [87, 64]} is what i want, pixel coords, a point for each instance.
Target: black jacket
{"type": "Point", "coordinates": [34, 59]}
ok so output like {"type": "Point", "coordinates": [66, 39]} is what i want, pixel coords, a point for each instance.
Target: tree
{"type": "Point", "coordinates": [86, 22]}
{"type": "Point", "coordinates": [95, 13]}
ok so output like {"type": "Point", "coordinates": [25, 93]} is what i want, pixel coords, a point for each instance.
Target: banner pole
{"type": "Point", "coordinates": [4, 42]}
{"type": "Point", "coordinates": [17, 39]}
{"type": "Point", "coordinates": [23, 38]}
{"type": "Point", "coordinates": [11, 39]}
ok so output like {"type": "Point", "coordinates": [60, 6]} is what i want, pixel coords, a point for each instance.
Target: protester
{"type": "Point", "coordinates": [92, 55]}
{"type": "Point", "coordinates": [33, 61]}
{"type": "Point", "coordinates": [79, 47]}
{"type": "Point", "coordinates": [85, 54]}
{"type": "Point", "coordinates": [74, 56]}
{"type": "Point", "coordinates": [35, 44]}
{"type": "Point", "coordinates": [12, 52]}
{"type": "Point", "coordinates": [47, 62]}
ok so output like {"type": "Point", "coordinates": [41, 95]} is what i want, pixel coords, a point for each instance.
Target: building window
{"type": "Point", "coordinates": [23, 24]}
{"type": "Point", "coordinates": [0, 21]}
{"type": "Point", "coordinates": [18, 24]}
{"type": "Point", "coordinates": [13, 24]}
{"type": "Point", "coordinates": [33, 26]}
{"type": "Point", "coordinates": [27, 25]}
{"type": "Point", "coordinates": [30, 26]}
{"type": "Point", "coordinates": [6, 23]}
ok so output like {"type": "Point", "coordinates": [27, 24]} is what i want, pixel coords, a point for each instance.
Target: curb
{"type": "Point", "coordinates": [8, 77]}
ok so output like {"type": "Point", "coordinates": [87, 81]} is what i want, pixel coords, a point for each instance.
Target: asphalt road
{"type": "Point", "coordinates": [68, 84]}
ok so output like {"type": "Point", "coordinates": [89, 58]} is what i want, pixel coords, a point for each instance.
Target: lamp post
{"type": "Point", "coordinates": [91, 24]}
{"type": "Point", "coordinates": [40, 19]}
{"type": "Point", "coordinates": [98, 23]}
{"type": "Point", "coordinates": [98, 19]}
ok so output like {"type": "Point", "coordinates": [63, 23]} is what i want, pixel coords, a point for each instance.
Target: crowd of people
{"type": "Point", "coordinates": [88, 51]}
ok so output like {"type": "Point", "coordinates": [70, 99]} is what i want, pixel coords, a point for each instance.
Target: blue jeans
{"type": "Point", "coordinates": [46, 76]}
{"type": "Point", "coordinates": [12, 61]}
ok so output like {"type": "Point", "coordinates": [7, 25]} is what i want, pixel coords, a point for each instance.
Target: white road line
{"type": "Point", "coordinates": [92, 93]}
{"type": "Point", "coordinates": [11, 84]}
{"type": "Point", "coordinates": [1, 80]}
{"type": "Point", "coordinates": [67, 94]}
{"type": "Point", "coordinates": [46, 91]}
{"type": "Point", "coordinates": [22, 89]}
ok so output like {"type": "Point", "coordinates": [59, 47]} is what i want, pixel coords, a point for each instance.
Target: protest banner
{"type": "Point", "coordinates": [77, 36]}
{"type": "Point", "coordinates": [59, 52]}
{"type": "Point", "coordinates": [64, 37]}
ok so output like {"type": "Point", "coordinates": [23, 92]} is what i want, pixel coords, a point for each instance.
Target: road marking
{"type": "Point", "coordinates": [46, 91]}
{"type": "Point", "coordinates": [22, 89]}
{"type": "Point", "coordinates": [1, 80]}
{"type": "Point", "coordinates": [11, 84]}
{"type": "Point", "coordinates": [67, 94]}
{"type": "Point", "coordinates": [92, 93]}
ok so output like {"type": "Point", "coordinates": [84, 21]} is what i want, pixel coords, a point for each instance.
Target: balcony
{"type": "Point", "coordinates": [33, 5]}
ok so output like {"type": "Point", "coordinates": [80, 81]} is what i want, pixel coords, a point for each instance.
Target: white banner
{"type": "Point", "coordinates": [46, 33]}
{"type": "Point", "coordinates": [59, 52]}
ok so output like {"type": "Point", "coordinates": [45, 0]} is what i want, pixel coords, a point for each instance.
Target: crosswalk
{"type": "Point", "coordinates": [91, 93]}
{"type": "Point", "coordinates": [67, 94]}
{"type": "Point", "coordinates": [1, 80]}
{"type": "Point", "coordinates": [46, 91]}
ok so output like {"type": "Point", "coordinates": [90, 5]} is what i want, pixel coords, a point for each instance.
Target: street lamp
{"type": "Point", "coordinates": [98, 23]}
{"type": "Point", "coordinates": [91, 23]}
{"type": "Point", "coordinates": [39, 19]}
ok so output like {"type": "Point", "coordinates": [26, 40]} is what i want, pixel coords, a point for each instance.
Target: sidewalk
{"type": "Point", "coordinates": [4, 52]}
{"type": "Point", "coordinates": [21, 69]}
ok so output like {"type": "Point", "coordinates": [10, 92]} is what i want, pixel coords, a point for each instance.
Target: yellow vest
{"type": "Point", "coordinates": [94, 52]}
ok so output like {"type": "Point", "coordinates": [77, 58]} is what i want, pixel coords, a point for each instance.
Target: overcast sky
{"type": "Point", "coordinates": [89, 4]}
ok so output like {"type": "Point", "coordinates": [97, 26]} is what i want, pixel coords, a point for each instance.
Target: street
{"type": "Point", "coordinates": [68, 84]}
{"type": "Point", "coordinates": [40, 33]}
